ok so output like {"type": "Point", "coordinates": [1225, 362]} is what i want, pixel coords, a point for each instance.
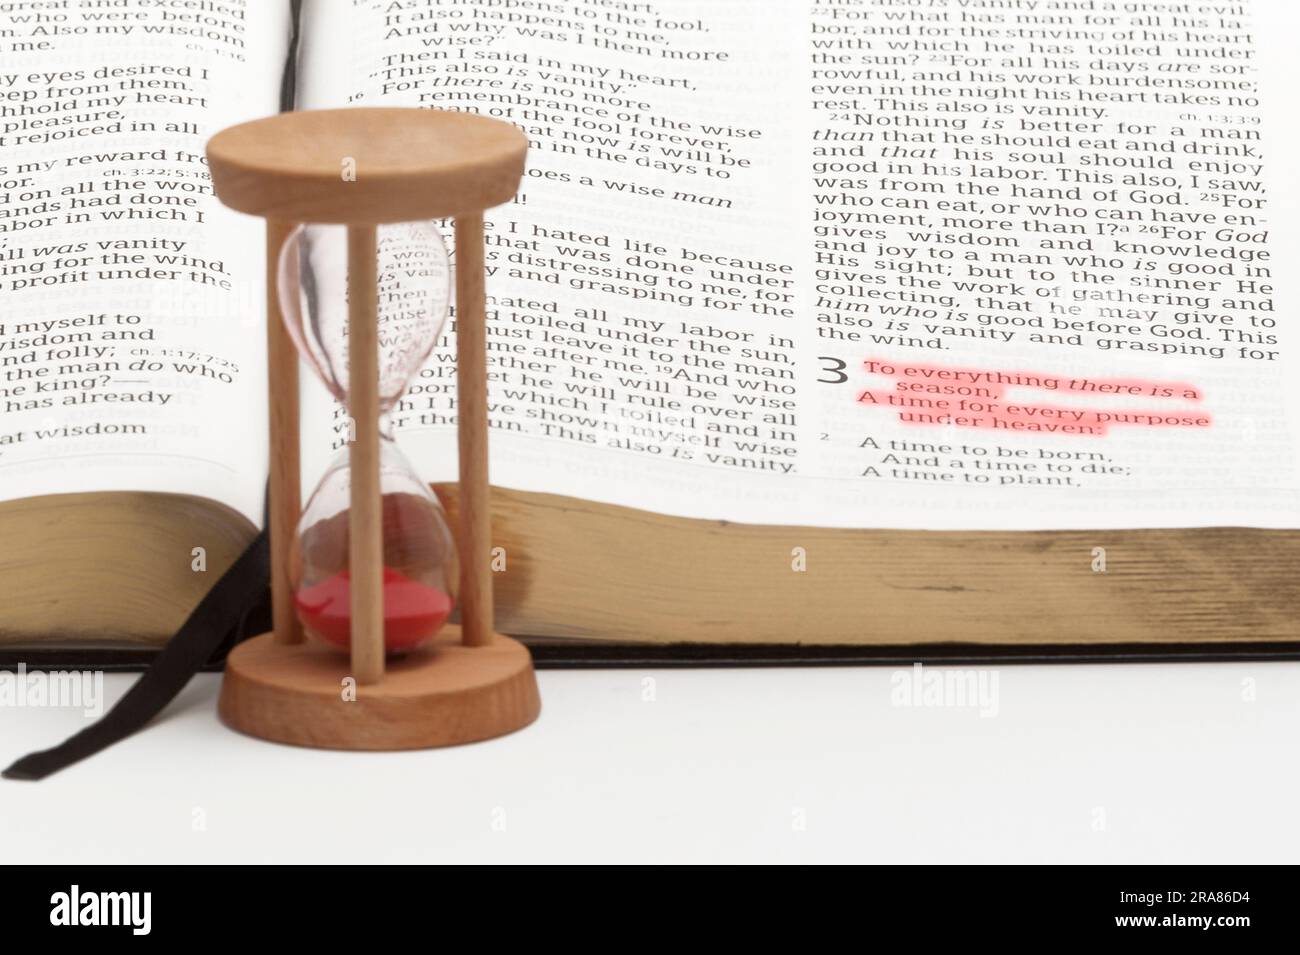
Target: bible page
{"type": "Point", "coordinates": [132, 343]}
{"type": "Point", "coordinates": [945, 264]}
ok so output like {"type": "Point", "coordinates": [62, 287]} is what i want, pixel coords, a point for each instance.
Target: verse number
{"type": "Point", "coordinates": [833, 367]}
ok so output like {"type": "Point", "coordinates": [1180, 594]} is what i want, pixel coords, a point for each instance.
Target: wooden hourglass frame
{"type": "Point", "coordinates": [362, 168]}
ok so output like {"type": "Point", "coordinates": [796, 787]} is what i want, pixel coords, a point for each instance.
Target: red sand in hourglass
{"type": "Point", "coordinates": [413, 612]}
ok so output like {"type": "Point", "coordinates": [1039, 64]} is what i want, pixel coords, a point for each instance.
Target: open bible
{"type": "Point", "coordinates": [816, 323]}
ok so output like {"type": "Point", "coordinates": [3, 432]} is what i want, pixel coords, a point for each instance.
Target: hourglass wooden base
{"type": "Point", "coordinates": [444, 694]}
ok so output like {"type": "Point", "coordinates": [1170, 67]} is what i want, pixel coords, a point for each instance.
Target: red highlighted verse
{"type": "Point", "coordinates": [923, 394]}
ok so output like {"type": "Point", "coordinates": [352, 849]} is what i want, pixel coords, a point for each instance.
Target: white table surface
{"type": "Point", "coordinates": [1138, 763]}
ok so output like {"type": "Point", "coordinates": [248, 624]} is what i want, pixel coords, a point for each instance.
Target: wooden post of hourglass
{"type": "Point", "coordinates": [366, 514]}
{"type": "Point", "coordinates": [285, 490]}
{"type": "Point", "coordinates": [471, 394]}
{"type": "Point", "coordinates": [410, 164]}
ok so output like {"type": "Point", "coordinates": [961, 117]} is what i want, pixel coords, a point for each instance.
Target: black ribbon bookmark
{"type": "Point", "coordinates": [220, 616]}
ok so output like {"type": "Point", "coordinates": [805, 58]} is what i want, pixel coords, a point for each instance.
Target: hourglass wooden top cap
{"type": "Point", "coordinates": [367, 165]}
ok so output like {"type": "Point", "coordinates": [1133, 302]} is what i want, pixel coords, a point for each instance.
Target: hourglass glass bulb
{"type": "Point", "coordinates": [420, 567]}
{"type": "Point", "coordinates": [419, 559]}
{"type": "Point", "coordinates": [414, 279]}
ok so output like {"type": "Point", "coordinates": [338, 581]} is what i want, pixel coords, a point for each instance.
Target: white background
{"type": "Point", "coordinates": [1136, 763]}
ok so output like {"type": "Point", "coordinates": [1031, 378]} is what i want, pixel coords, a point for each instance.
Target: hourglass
{"type": "Point", "coordinates": [362, 582]}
